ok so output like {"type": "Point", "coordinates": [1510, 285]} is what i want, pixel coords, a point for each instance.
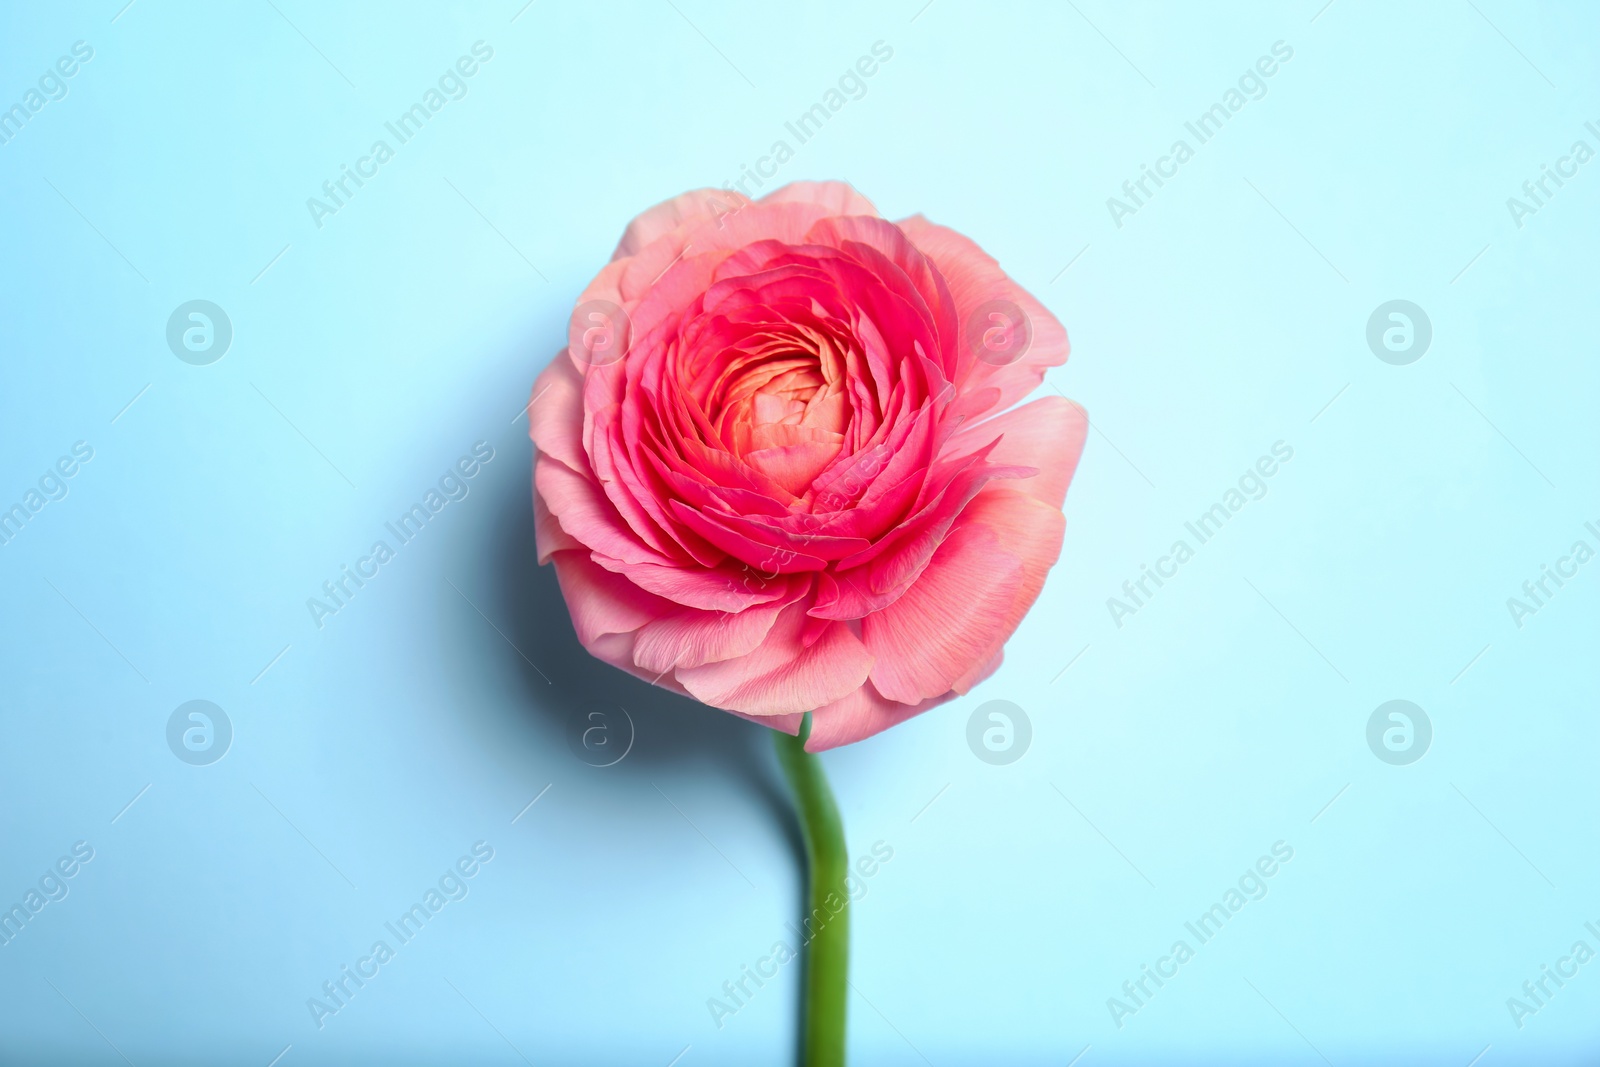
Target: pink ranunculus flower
{"type": "Point", "coordinates": [779, 465]}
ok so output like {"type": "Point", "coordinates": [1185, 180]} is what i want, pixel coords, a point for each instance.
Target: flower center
{"type": "Point", "coordinates": [782, 407]}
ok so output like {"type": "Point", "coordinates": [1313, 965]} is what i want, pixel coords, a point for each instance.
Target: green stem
{"type": "Point", "coordinates": [828, 951]}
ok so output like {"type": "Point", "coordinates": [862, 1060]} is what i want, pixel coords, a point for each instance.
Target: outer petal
{"type": "Point", "coordinates": [607, 285]}
{"type": "Point", "coordinates": [840, 198]}
{"type": "Point", "coordinates": [1031, 531]}
{"type": "Point", "coordinates": [861, 714]}
{"type": "Point", "coordinates": [867, 711]}
{"type": "Point", "coordinates": [604, 612]}
{"type": "Point", "coordinates": [603, 603]}
{"type": "Point", "coordinates": [1046, 434]}
{"type": "Point", "coordinates": [690, 638]}
{"type": "Point", "coordinates": [981, 674]}
{"type": "Point", "coordinates": [585, 513]}
{"type": "Point", "coordinates": [950, 622]}
{"type": "Point", "coordinates": [670, 214]}
{"type": "Point", "coordinates": [975, 278]}
{"type": "Point", "coordinates": [789, 724]}
{"type": "Point", "coordinates": [784, 675]}
{"type": "Point", "coordinates": [548, 535]}
{"type": "Point", "coordinates": [555, 413]}
{"type": "Point", "coordinates": [628, 280]}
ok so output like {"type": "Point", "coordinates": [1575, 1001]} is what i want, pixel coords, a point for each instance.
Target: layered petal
{"type": "Point", "coordinates": [950, 622]}
{"type": "Point", "coordinates": [691, 638]}
{"type": "Point", "coordinates": [671, 214]}
{"type": "Point", "coordinates": [602, 603]}
{"type": "Point", "coordinates": [1028, 529]}
{"type": "Point", "coordinates": [555, 414]}
{"type": "Point", "coordinates": [1046, 434]}
{"type": "Point", "coordinates": [837, 198]}
{"type": "Point", "coordinates": [860, 715]}
{"type": "Point", "coordinates": [978, 285]}
{"type": "Point", "coordinates": [784, 674]}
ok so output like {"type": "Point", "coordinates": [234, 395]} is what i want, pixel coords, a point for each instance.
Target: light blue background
{"type": "Point", "coordinates": [1223, 317]}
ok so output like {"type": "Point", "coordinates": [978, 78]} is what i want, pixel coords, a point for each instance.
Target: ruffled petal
{"type": "Point", "coordinates": [975, 279]}
{"type": "Point", "coordinates": [603, 603]}
{"type": "Point", "coordinates": [1046, 434]}
{"type": "Point", "coordinates": [950, 622]}
{"type": "Point", "coordinates": [784, 675]}
{"type": "Point", "coordinates": [555, 413]}
{"type": "Point", "coordinates": [836, 198]}
{"type": "Point", "coordinates": [548, 535]}
{"type": "Point", "coordinates": [691, 638]}
{"type": "Point", "coordinates": [1029, 530]}
{"type": "Point", "coordinates": [584, 512]}
{"type": "Point", "coordinates": [861, 714]}
{"type": "Point", "coordinates": [669, 215]}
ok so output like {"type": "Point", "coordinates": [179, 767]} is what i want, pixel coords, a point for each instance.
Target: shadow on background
{"type": "Point", "coordinates": [672, 733]}
{"type": "Point", "coordinates": [674, 737]}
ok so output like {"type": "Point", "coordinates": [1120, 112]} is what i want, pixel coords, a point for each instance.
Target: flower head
{"type": "Point", "coordinates": [779, 465]}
